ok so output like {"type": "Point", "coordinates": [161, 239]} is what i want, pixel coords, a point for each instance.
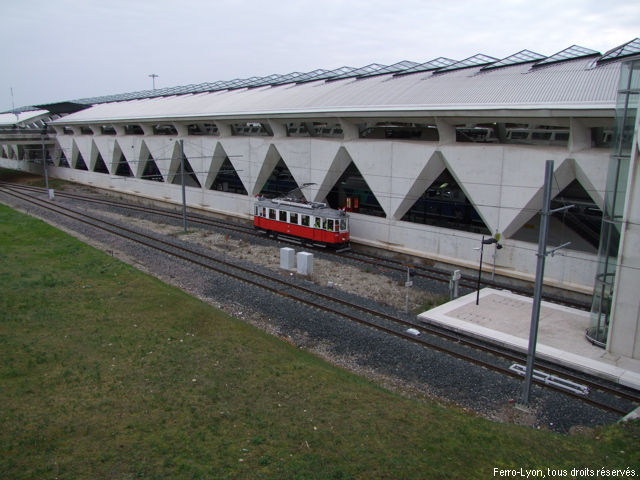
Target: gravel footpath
{"type": "Point", "coordinates": [391, 362]}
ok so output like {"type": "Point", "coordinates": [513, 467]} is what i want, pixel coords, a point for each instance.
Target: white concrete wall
{"type": "Point", "coordinates": [21, 165]}
{"type": "Point", "coordinates": [568, 269]}
{"type": "Point", "coordinates": [222, 202]}
{"type": "Point", "coordinates": [504, 182]}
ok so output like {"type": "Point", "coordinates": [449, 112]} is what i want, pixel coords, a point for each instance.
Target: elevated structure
{"type": "Point", "coordinates": [427, 156]}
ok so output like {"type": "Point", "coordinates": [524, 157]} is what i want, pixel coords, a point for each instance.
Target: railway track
{"type": "Point", "coordinates": [379, 262]}
{"type": "Point", "coordinates": [601, 394]}
{"type": "Point", "coordinates": [442, 275]}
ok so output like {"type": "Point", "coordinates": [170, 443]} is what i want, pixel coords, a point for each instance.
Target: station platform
{"type": "Point", "coordinates": [504, 318]}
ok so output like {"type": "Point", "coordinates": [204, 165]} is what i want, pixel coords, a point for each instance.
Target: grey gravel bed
{"type": "Point", "coordinates": [395, 363]}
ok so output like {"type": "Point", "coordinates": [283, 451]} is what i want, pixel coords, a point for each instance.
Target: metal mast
{"type": "Point", "coordinates": [537, 296]}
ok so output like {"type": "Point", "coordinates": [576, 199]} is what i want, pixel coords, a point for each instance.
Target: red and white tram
{"type": "Point", "coordinates": [315, 222]}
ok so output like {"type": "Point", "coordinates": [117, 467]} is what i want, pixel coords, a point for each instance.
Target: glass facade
{"type": "Point", "coordinates": [614, 204]}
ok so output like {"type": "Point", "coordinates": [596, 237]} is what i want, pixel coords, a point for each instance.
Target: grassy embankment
{"type": "Point", "coordinates": [106, 373]}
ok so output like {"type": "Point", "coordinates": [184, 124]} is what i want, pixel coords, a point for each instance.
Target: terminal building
{"type": "Point", "coordinates": [428, 157]}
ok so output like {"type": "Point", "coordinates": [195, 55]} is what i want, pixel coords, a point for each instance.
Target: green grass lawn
{"type": "Point", "coordinates": [107, 373]}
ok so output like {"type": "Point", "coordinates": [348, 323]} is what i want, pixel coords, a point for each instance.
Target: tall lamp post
{"type": "Point", "coordinates": [153, 79]}
{"type": "Point", "coordinates": [484, 242]}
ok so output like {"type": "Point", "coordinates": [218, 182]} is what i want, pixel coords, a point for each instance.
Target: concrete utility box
{"type": "Point", "coordinates": [305, 263]}
{"type": "Point", "coordinates": [287, 258]}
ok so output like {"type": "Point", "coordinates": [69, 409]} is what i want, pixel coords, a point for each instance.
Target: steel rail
{"type": "Point", "coordinates": [140, 208]}
{"type": "Point", "coordinates": [130, 233]}
{"type": "Point", "coordinates": [421, 271]}
{"type": "Point", "coordinates": [445, 276]}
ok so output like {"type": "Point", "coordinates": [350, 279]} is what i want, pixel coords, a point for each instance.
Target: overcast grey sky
{"type": "Point", "coordinates": [55, 50]}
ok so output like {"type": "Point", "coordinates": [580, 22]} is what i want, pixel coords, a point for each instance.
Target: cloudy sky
{"type": "Point", "coordinates": [55, 50]}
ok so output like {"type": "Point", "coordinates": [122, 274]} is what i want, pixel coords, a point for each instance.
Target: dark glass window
{"type": "Point", "coordinates": [444, 204]}
{"type": "Point", "coordinates": [352, 192]}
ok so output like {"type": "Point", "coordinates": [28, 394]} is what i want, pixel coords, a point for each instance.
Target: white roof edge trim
{"type": "Point", "coordinates": [427, 110]}
{"type": "Point", "coordinates": [10, 118]}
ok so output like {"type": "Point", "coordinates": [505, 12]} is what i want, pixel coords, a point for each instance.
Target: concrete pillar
{"type": "Point", "coordinates": [278, 128]}
{"type": "Point", "coordinates": [120, 131]}
{"type": "Point", "coordinates": [446, 132]}
{"type": "Point", "coordinates": [579, 136]}
{"type": "Point", "coordinates": [349, 129]}
{"type": "Point", "coordinates": [181, 128]}
{"type": "Point", "coordinates": [223, 128]}
{"type": "Point", "coordinates": [147, 129]}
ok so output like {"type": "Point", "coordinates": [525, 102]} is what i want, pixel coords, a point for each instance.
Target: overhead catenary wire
{"type": "Point", "coordinates": [387, 195]}
{"type": "Point", "coordinates": [422, 227]}
{"type": "Point", "coordinates": [450, 233]}
{"type": "Point", "coordinates": [162, 158]}
{"type": "Point", "coordinates": [383, 195]}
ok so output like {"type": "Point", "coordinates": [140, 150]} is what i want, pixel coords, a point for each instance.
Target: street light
{"type": "Point", "coordinates": [484, 242]}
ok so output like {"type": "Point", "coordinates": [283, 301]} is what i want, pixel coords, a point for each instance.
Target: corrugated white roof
{"type": "Point", "coordinates": [574, 84]}
{"type": "Point", "coordinates": [22, 117]}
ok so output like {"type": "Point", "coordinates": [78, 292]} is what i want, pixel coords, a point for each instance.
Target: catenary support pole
{"type": "Point", "coordinates": [184, 193]}
{"type": "Point", "coordinates": [479, 272]}
{"type": "Point", "coordinates": [407, 284]}
{"type": "Point", "coordinates": [44, 157]}
{"type": "Point", "coordinates": [537, 295]}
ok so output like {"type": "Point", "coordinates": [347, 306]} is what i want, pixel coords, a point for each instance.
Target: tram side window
{"type": "Point", "coordinates": [282, 215]}
{"type": "Point", "coordinates": [306, 220]}
{"type": "Point", "coordinates": [264, 212]}
{"type": "Point", "coordinates": [293, 218]}
{"type": "Point", "coordinates": [317, 222]}
{"type": "Point", "coordinates": [272, 213]}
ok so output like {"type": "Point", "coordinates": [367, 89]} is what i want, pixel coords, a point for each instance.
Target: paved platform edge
{"type": "Point", "coordinates": [438, 316]}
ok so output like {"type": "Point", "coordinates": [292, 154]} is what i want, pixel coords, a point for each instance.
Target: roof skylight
{"type": "Point", "coordinates": [629, 48]}
{"type": "Point", "coordinates": [288, 78]}
{"type": "Point", "coordinates": [396, 67]}
{"type": "Point", "coordinates": [523, 56]}
{"type": "Point", "coordinates": [475, 61]}
{"type": "Point", "coordinates": [372, 68]}
{"type": "Point", "coordinates": [324, 74]}
{"type": "Point", "coordinates": [434, 64]}
{"type": "Point", "coordinates": [571, 53]}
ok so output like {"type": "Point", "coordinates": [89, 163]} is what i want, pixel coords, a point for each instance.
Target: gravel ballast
{"type": "Point", "coordinates": [392, 362]}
